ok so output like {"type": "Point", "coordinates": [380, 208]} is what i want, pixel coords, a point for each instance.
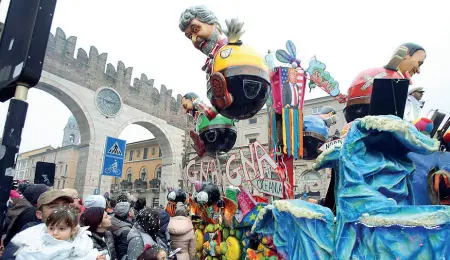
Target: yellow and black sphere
{"type": "Point", "coordinates": [241, 72]}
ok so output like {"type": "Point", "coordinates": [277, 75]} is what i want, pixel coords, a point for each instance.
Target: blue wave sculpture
{"type": "Point", "coordinates": [376, 212]}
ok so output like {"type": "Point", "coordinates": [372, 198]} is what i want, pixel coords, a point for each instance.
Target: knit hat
{"type": "Point", "coordinates": [148, 219]}
{"type": "Point", "coordinates": [33, 192]}
{"type": "Point", "coordinates": [13, 194]}
{"type": "Point", "coordinates": [97, 201]}
{"type": "Point", "coordinates": [181, 210]}
{"type": "Point", "coordinates": [92, 218]}
{"type": "Point", "coordinates": [122, 198]}
{"type": "Point", "coordinates": [122, 209]}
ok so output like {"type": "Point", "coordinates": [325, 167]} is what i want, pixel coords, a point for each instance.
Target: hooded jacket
{"type": "Point", "coordinates": [182, 235]}
{"type": "Point", "coordinates": [163, 233]}
{"type": "Point", "coordinates": [137, 239]}
{"type": "Point", "coordinates": [104, 243]}
{"type": "Point", "coordinates": [18, 207]}
{"type": "Point", "coordinates": [27, 214]}
{"type": "Point", "coordinates": [120, 229]}
{"type": "Point", "coordinates": [44, 247]}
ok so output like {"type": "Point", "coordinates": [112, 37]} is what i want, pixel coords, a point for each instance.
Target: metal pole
{"type": "Point", "coordinates": [12, 136]}
{"type": "Point", "coordinates": [99, 179]}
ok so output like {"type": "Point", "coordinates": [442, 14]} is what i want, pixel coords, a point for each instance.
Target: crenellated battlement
{"type": "Point", "coordinates": [92, 71]}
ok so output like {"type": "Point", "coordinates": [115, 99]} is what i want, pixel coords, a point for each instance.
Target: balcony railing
{"type": "Point", "coordinates": [138, 186]}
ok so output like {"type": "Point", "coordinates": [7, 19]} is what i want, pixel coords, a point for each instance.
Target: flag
{"type": "Point", "coordinates": [301, 83]}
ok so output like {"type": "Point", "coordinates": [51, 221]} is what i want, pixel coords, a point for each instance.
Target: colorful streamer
{"type": "Point", "coordinates": [296, 139]}
{"type": "Point", "coordinates": [285, 135]}
{"type": "Point", "coordinates": [292, 132]}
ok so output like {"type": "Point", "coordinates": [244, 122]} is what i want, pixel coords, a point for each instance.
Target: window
{"type": "Point", "coordinates": [155, 202]}
{"type": "Point", "coordinates": [58, 185]}
{"type": "Point", "coordinates": [60, 170]}
{"type": "Point", "coordinates": [252, 121]}
{"type": "Point", "coordinates": [64, 183]}
{"type": "Point", "coordinates": [251, 138]}
{"type": "Point", "coordinates": [315, 110]}
{"type": "Point", "coordinates": [145, 153]}
{"type": "Point", "coordinates": [160, 152]}
{"type": "Point", "coordinates": [43, 158]}
{"type": "Point", "coordinates": [138, 153]}
{"type": "Point", "coordinates": [65, 173]}
{"type": "Point", "coordinates": [131, 156]}
{"type": "Point", "coordinates": [129, 174]}
{"type": "Point", "coordinates": [143, 174]}
{"type": "Point", "coordinates": [72, 138]}
{"type": "Point", "coordinates": [153, 151]}
{"type": "Point", "coordinates": [158, 173]}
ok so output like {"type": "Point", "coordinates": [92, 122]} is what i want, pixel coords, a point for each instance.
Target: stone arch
{"type": "Point", "coordinates": [78, 109]}
{"type": "Point", "coordinates": [167, 136]}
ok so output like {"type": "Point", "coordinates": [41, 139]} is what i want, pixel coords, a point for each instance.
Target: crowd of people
{"type": "Point", "coordinates": [44, 223]}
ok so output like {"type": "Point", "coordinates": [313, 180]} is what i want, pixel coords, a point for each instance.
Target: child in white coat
{"type": "Point", "coordinates": [59, 238]}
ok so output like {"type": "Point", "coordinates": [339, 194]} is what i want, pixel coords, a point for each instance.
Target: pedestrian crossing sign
{"type": "Point", "coordinates": [115, 149]}
{"type": "Point", "coordinates": [113, 157]}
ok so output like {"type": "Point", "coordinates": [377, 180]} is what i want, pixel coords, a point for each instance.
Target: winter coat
{"type": "Point", "coordinates": [36, 244]}
{"type": "Point", "coordinates": [164, 219]}
{"type": "Point", "coordinates": [10, 249]}
{"type": "Point", "coordinates": [120, 229]}
{"type": "Point", "coordinates": [182, 235]}
{"type": "Point", "coordinates": [137, 239]}
{"type": "Point", "coordinates": [18, 207]}
{"type": "Point", "coordinates": [104, 243]}
{"type": "Point", "coordinates": [27, 216]}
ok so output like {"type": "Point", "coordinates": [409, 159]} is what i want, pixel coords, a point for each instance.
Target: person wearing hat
{"type": "Point", "coordinates": [414, 104]}
{"type": "Point", "coordinates": [46, 203]}
{"type": "Point", "coordinates": [24, 211]}
{"type": "Point", "coordinates": [121, 226]}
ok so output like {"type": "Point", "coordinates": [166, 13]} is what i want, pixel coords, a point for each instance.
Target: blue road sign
{"type": "Point", "coordinates": [113, 157]}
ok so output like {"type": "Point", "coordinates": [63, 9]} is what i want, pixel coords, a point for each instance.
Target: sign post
{"type": "Point", "coordinates": [113, 157]}
{"type": "Point", "coordinates": [22, 52]}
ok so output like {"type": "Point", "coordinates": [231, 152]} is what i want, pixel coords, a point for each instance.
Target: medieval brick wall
{"type": "Point", "coordinates": [91, 71]}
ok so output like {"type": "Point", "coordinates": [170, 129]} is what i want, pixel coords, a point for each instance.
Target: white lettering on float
{"type": "Point", "coordinates": [270, 187]}
{"type": "Point", "coordinates": [331, 144]}
{"type": "Point", "coordinates": [249, 170]}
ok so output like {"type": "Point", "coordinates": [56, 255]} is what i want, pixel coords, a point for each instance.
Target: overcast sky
{"type": "Point", "coordinates": [348, 36]}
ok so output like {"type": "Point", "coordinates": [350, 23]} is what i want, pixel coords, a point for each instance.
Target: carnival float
{"type": "Point", "coordinates": [389, 192]}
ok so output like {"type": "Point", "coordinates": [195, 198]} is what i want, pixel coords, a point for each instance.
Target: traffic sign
{"type": "Point", "coordinates": [113, 157]}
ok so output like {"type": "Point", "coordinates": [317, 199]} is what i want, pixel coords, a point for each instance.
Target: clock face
{"type": "Point", "coordinates": [108, 102]}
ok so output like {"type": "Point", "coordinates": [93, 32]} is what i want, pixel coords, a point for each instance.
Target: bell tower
{"type": "Point", "coordinates": [71, 132]}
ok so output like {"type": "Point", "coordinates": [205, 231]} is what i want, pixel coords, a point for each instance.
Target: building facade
{"type": "Point", "coordinates": [141, 173]}
{"type": "Point", "coordinates": [25, 166]}
{"type": "Point", "coordinates": [142, 161]}
{"type": "Point", "coordinates": [65, 159]}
